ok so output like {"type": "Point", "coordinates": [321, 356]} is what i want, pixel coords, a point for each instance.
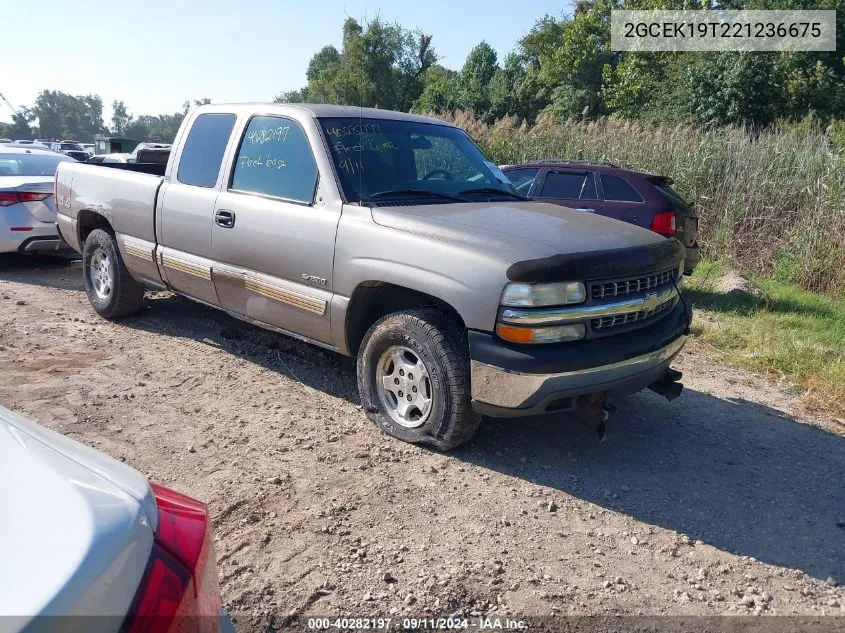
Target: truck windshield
{"type": "Point", "coordinates": [381, 161]}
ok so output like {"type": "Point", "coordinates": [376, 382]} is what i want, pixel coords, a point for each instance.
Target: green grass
{"type": "Point", "coordinates": [794, 334]}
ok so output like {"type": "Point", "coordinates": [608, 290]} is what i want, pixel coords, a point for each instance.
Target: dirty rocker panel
{"type": "Point", "coordinates": [282, 295]}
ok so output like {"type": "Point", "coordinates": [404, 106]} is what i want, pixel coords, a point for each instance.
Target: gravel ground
{"type": "Point", "coordinates": [728, 500]}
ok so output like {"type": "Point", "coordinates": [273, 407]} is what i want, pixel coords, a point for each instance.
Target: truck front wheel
{"type": "Point", "coordinates": [112, 291]}
{"type": "Point", "coordinates": [413, 378]}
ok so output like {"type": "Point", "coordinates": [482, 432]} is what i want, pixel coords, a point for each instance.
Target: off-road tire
{"type": "Point", "coordinates": [126, 294]}
{"type": "Point", "coordinates": [441, 345]}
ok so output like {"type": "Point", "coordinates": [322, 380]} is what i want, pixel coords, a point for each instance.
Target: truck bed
{"type": "Point", "coordinates": [125, 196]}
{"type": "Point", "coordinates": [154, 169]}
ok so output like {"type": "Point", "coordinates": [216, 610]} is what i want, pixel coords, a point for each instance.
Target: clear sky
{"type": "Point", "coordinates": [155, 54]}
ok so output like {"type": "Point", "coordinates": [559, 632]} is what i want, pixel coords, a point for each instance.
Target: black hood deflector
{"type": "Point", "coordinates": [592, 265]}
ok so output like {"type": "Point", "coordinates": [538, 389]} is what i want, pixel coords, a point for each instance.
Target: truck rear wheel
{"type": "Point", "coordinates": [414, 382]}
{"type": "Point", "coordinates": [111, 289]}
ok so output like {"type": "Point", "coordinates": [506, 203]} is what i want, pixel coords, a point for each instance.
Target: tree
{"type": "Point", "coordinates": [440, 91]}
{"type": "Point", "coordinates": [514, 90]}
{"type": "Point", "coordinates": [186, 106]}
{"type": "Point", "coordinates": [729, 89]}
{"type": "Point", "coordinates": [327, 58]}
{"type": "Point", "coordinates": [292, 96]}
{"type": "Point", "coordinates": [19, 127]}
{"type": "Point", "coordinates": [474, 79]}
{"type": "Point", "coordinates": [120, 118]}
{"type": "Point", "coordinates": [61, 115]}
{"type": "Point", "coordinates": [380, 65]}
{"type": "Point", "coordinates": [160, 128]}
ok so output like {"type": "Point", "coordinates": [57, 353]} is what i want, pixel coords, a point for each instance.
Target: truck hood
{"type": "Point", "coordinates": [77, 530]}
{"type": "Point", "coordinates": [516, 230]}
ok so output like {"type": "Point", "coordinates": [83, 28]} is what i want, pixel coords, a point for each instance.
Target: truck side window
{"type": "Point", "coordinates": [275, 159]}
{"type": "Point", "coordinates": [569, 185]}
{"type": "Point", "coordinates": [204, 149]}
{"type": "Point", "coordinates": [618, 190]}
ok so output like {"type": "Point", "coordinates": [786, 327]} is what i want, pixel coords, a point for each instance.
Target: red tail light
{"type": "Point", "coordinates": [179, 591]}
{"type": "Point", "coordinates": [8, 198]}
{"type": "Point", "coordinates": [664, 223]}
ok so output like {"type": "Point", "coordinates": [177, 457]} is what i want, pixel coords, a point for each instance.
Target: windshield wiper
{"type": "Point", "coordinates": [503, 192]}
{"type": "Point", "coordinates": [414, 192]}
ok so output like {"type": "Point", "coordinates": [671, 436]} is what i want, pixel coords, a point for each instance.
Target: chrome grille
{"type": "Point", "coordinates": [606, 289]}
{"type": "Point", "coordinates": [616, 320]}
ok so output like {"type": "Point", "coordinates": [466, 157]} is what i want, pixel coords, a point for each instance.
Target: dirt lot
{"type": "Point", "coordinates": [719, 502]}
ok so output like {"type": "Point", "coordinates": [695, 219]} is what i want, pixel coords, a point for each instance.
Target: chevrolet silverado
{"type": "Point", "coordinates": [393, 238]}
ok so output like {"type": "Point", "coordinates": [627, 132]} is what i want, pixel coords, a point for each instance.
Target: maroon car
{"type": "Point", "coordinates": [640, 198]}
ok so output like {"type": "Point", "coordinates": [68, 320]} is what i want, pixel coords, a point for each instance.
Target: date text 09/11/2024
{"type": "Point", "coordinates": [417, 624]}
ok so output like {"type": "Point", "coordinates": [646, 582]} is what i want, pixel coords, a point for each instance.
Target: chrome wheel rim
{"type": "Point", "coordinates": [99, 274]}
{"type": "Point", "coordinates": [404, 386]}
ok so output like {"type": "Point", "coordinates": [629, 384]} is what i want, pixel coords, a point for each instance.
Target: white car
{"type": "Point", "coordinates": [27, 206]}
{"type": "Point", "coordinates": [110, 158]}
{"type": "Point", "coordinates": [86, 535]}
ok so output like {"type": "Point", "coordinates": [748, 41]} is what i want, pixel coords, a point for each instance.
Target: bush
{"type": "Point", "coordinates": [772, 200]}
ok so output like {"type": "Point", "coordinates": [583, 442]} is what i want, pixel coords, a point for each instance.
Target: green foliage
{"type": "Point", "coordinates": [19, 127]}
{"type": "Point", "coordinates": [440, 92]}
{"type": "Point", "coordinates": [772, 200]}
{"type": "Point", "coordinates": [382, 65]}
{"type": "Point", "coordinates": [794, 334]}
{"type": "Point", "coordinates": [160, 128]}
{"type": "Point", "coordinates": [474, 79]}
{"type": "Point", "coordinates": [120, 118]}
{"type": "Point", "coordinates": [61, 115]}
{"type": "Point", "coordinates": [564, 67]}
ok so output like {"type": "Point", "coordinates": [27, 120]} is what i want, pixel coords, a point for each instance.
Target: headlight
{"type": "Point", "coordinates": [551, 334]}
{"type": "Point", "coordinates": [522, 295]}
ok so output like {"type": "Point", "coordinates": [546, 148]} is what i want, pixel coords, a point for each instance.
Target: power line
{"type": "Point", "coordinates": [11, 107]}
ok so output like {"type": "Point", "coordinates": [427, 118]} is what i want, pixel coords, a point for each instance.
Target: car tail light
{"type": "Point", "coordinates": [179, 591]}
{"type": "Point", "coordinates": [8, 198]}
{"type": "Point", "coordinates": [664, 223]}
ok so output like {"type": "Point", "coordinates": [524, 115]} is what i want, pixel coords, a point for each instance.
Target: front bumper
{"type": "Point", "coordinates": [512, 380]}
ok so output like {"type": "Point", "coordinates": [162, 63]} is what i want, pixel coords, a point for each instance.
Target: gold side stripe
{"type": "Point", "coordinates": [289, 297]}
{"type": "Point", "coordinates": [189, 268]}
{"type": "Point", "coordinates": [138, 251]}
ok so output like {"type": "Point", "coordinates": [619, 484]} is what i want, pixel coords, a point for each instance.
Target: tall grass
{"type": "Point", "coordinates": [771, 202]}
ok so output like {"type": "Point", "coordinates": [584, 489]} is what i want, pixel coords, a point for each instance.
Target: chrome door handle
{"type": "Point", "coordinates": [225, 218]}
{"type": "Point", "coordinates": [585, 209]}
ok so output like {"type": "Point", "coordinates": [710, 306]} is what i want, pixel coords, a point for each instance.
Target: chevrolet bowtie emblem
{"type": "Point", "coordinates": [651, 301]}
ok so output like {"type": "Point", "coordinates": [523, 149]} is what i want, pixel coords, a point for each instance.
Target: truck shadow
{"type": "Point", "coordinates": [313, 366]}
{"type": "Point", "coordinates": [60, 271]}
{"type": "Point", "coordinates": [733, 473]}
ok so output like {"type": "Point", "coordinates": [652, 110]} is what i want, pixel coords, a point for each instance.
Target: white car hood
{"type": "Point", "coordinates": [76, 532]}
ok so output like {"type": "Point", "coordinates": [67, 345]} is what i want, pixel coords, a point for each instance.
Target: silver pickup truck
{"type": "Point", "coordinates": [391, 237]}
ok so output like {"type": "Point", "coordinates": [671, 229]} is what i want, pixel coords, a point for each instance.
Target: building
{"type": "Point", "coordinates": [113, 144]}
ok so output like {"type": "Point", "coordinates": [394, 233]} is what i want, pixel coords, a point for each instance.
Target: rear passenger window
{"type": "Point", "coordinates": [275, 159]}
{"type": "Point", "coordinates": [618, 190]}
{"type": "Point", "coordinates": [570, 185]}
{"type": "Point", "coordinates": [202, 155]}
